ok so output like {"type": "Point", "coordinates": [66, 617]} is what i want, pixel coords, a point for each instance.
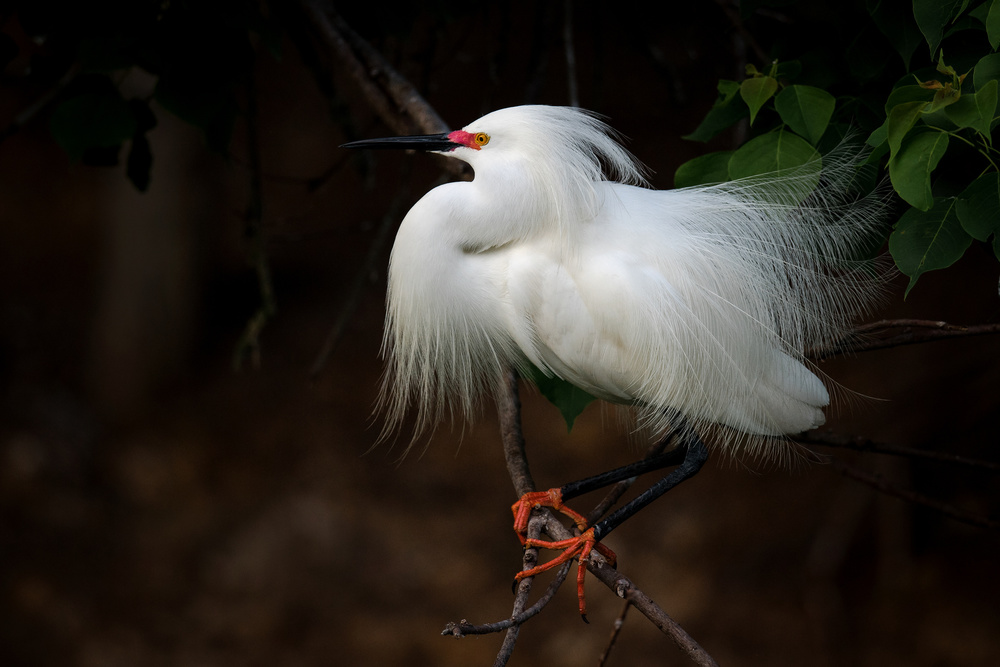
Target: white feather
{"type": "Point", "coordinates": [702, 300]}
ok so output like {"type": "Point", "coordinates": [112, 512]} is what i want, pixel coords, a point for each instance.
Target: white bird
{"type": "Point", "coordinates": [699, 302]}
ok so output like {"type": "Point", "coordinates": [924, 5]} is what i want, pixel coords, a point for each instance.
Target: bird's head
{"type": "Point", "coordinates": [546, 158]}
{"type": "Point", "coordinates": [573, 142]}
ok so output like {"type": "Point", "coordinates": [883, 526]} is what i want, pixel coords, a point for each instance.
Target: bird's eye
{"type": "Point", "coordinates": [481, 139]}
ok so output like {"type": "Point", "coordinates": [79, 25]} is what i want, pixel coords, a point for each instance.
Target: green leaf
{"type": "Point", "coordinates": [978, 207]}
{"type": "Point", "coordinates": [986, 70]}
{"type": "Point", "coordinates": [911, 167]}
{"type": "Point", "coordinates": [908, 93]}
{"type": "Point", "coordinates": [787, 69]}
{"type": "Point", "coordinates": [879, 136]}
{"type": "Point", "coordinates": [927, 240]}
{"type": "Point", "coordinates": [987, 98]}
{"type": "Point", "coordinates": [728, 90]}
{"type": "Point", "coordinates": [710, 168]}
{"type": "Point", "coordinates": [993, 24]}
{"type": "Point", "coordinates": [772, 152]}
{"type": "Point", "coordinates": [944, 97]}
{"type": "Point", "coordinates": [756, 92]}
{"type": "Point", "coordinates": [93, 120]}
{"type": "Point", "coordinates": [727, 110]}
{"type": "Point", "coordinates": [975, 110]}
{"type": "Point", "coordinates": [895, 20]}
{"type": "Point", "coordinates": [932, 17]}
{"type": "Point", "coordinates": [775, 155]}
{"type": "Point", "coordinates": [901, 119]}
{"type": "Point", "coordinates": [568, 398]}
{"type": "Point", "coordinates": [806, 110]}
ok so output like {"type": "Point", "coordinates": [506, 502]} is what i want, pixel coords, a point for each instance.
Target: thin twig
{"type": "Point", "coordinates": [520, 598]}
{"type": "Point", "coordinates": [913, 331]}
{"type": "Point", "coordinates": [880, 484]}
{"type": "Point", "coordinates": [736, 21]}
{"type": "Point", "coordinates": [391, 95]}
{"type": "Point", "coordinates": [857, 443]}
{"type": "Point", "coordinates": [509, 411]}
{"type": "Point", "coordinates": [249, 342]}
{"type": "Point", "coordinates": [393, 98]}
{"type": "Point", "coordinates": [463, 627]}
{"type": "Point", "coordinates": [616, 630]}
{"type": "Point", "coordinates": [32, 110]}
{"type": "Point", "coordinates": [624, 588]}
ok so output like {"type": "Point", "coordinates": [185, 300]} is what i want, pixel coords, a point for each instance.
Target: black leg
{"type": "Point", "coordinates": [658, 462]}
{"type": "Point", "coordinates": [689, 456]}
{"type": "Point", "coordinates": [695, 454]}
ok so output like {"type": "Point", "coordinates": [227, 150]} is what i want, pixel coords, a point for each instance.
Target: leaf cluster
{"type": "Point", "coordinates": [931, 128]}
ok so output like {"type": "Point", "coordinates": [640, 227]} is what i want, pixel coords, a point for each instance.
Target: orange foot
{"type": "Point", "coordinates": [574, 547]}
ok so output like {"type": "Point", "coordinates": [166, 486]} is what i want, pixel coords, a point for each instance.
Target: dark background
{"type": "Point", "coordinates": [159, 508]}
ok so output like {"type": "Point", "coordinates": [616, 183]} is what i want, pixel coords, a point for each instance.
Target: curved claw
{"type": "Point", "coordinates": [579, 547]}
{"type": "Point", "coordinates": [551, 498]}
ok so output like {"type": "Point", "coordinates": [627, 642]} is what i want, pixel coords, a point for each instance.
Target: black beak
{"type": "Point", "coordinates": [426, 142]}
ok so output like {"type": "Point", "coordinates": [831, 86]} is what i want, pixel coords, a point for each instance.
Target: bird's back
{"type": "Point", "coordinates": [697, 300]}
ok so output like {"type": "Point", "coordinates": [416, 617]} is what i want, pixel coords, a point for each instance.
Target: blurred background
{"type": "Point", "coordinates": [161, 504]}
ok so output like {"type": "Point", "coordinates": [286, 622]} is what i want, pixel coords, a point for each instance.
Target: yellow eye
{"type": "Point", "coordinates": [481, 138]}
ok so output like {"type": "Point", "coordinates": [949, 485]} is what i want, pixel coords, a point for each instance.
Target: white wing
{"type": "Point", "coordinates": [669, 319]}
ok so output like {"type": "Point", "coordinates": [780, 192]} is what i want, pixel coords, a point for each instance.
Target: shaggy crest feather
{"type": "Point", "coordinates": [701, 300]}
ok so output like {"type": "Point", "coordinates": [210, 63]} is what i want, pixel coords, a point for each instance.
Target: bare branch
{"type": "Point", "coordinates": [736, 21]}
{"type": "Point", "coordinates": [390, 94]}
{"type": "Point", "coordinates": [463, 627]}
{"type": "Point", "coordinates": [615, 632]}
{"type": "Point", "coordinates": [857, 443]}
{"type": "Point", "coordinates": [249, 342]}
{"type": "Point", "coordinates": [624, 588]}
{"type": "Point", "coordinates": [877, 482]}
{"type": "Point", "coordinates": [394, 99]}
{"type": "Point", "coordinates": [29, 113]}
{"type": "Point", "coordinates": [520, 599]}
{"type": "Point", "coordinates": [509, 410]}
{"type": "Point", "coordinates": [913, 331]}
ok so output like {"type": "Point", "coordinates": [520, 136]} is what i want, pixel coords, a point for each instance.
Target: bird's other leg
{"type": "Point", "coordinates": [688, 457]}
{"type": "Point", "coordinates": [695, 455]}
{"type": "Point", "coordinates": [554, 498]}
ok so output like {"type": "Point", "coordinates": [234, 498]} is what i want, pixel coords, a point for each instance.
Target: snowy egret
{"type": "Point", "coordinates": [694, 306]}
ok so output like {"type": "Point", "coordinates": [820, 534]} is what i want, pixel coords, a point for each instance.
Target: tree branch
{"type": "Point", "coordinates": [248, 344]}
{"type": "Point", "coordinates": [393, 98]}
{"type": "Point", "coordinates": [615, 632]}
{"type": "Point", "coordinates": [509, 405]}
{"type": "Point", "coordinates": [877, 482]}
{"type": "Point", "coordinates": [28, 113]}
{"type": "Point", "coordinates": [463, 627]}
{"type": "Point", "coordinates": [857, 443]}
{"type": "Point", "coordinates": [509, 411]}
{"type": "Point", "coordinates": [863, 338]}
